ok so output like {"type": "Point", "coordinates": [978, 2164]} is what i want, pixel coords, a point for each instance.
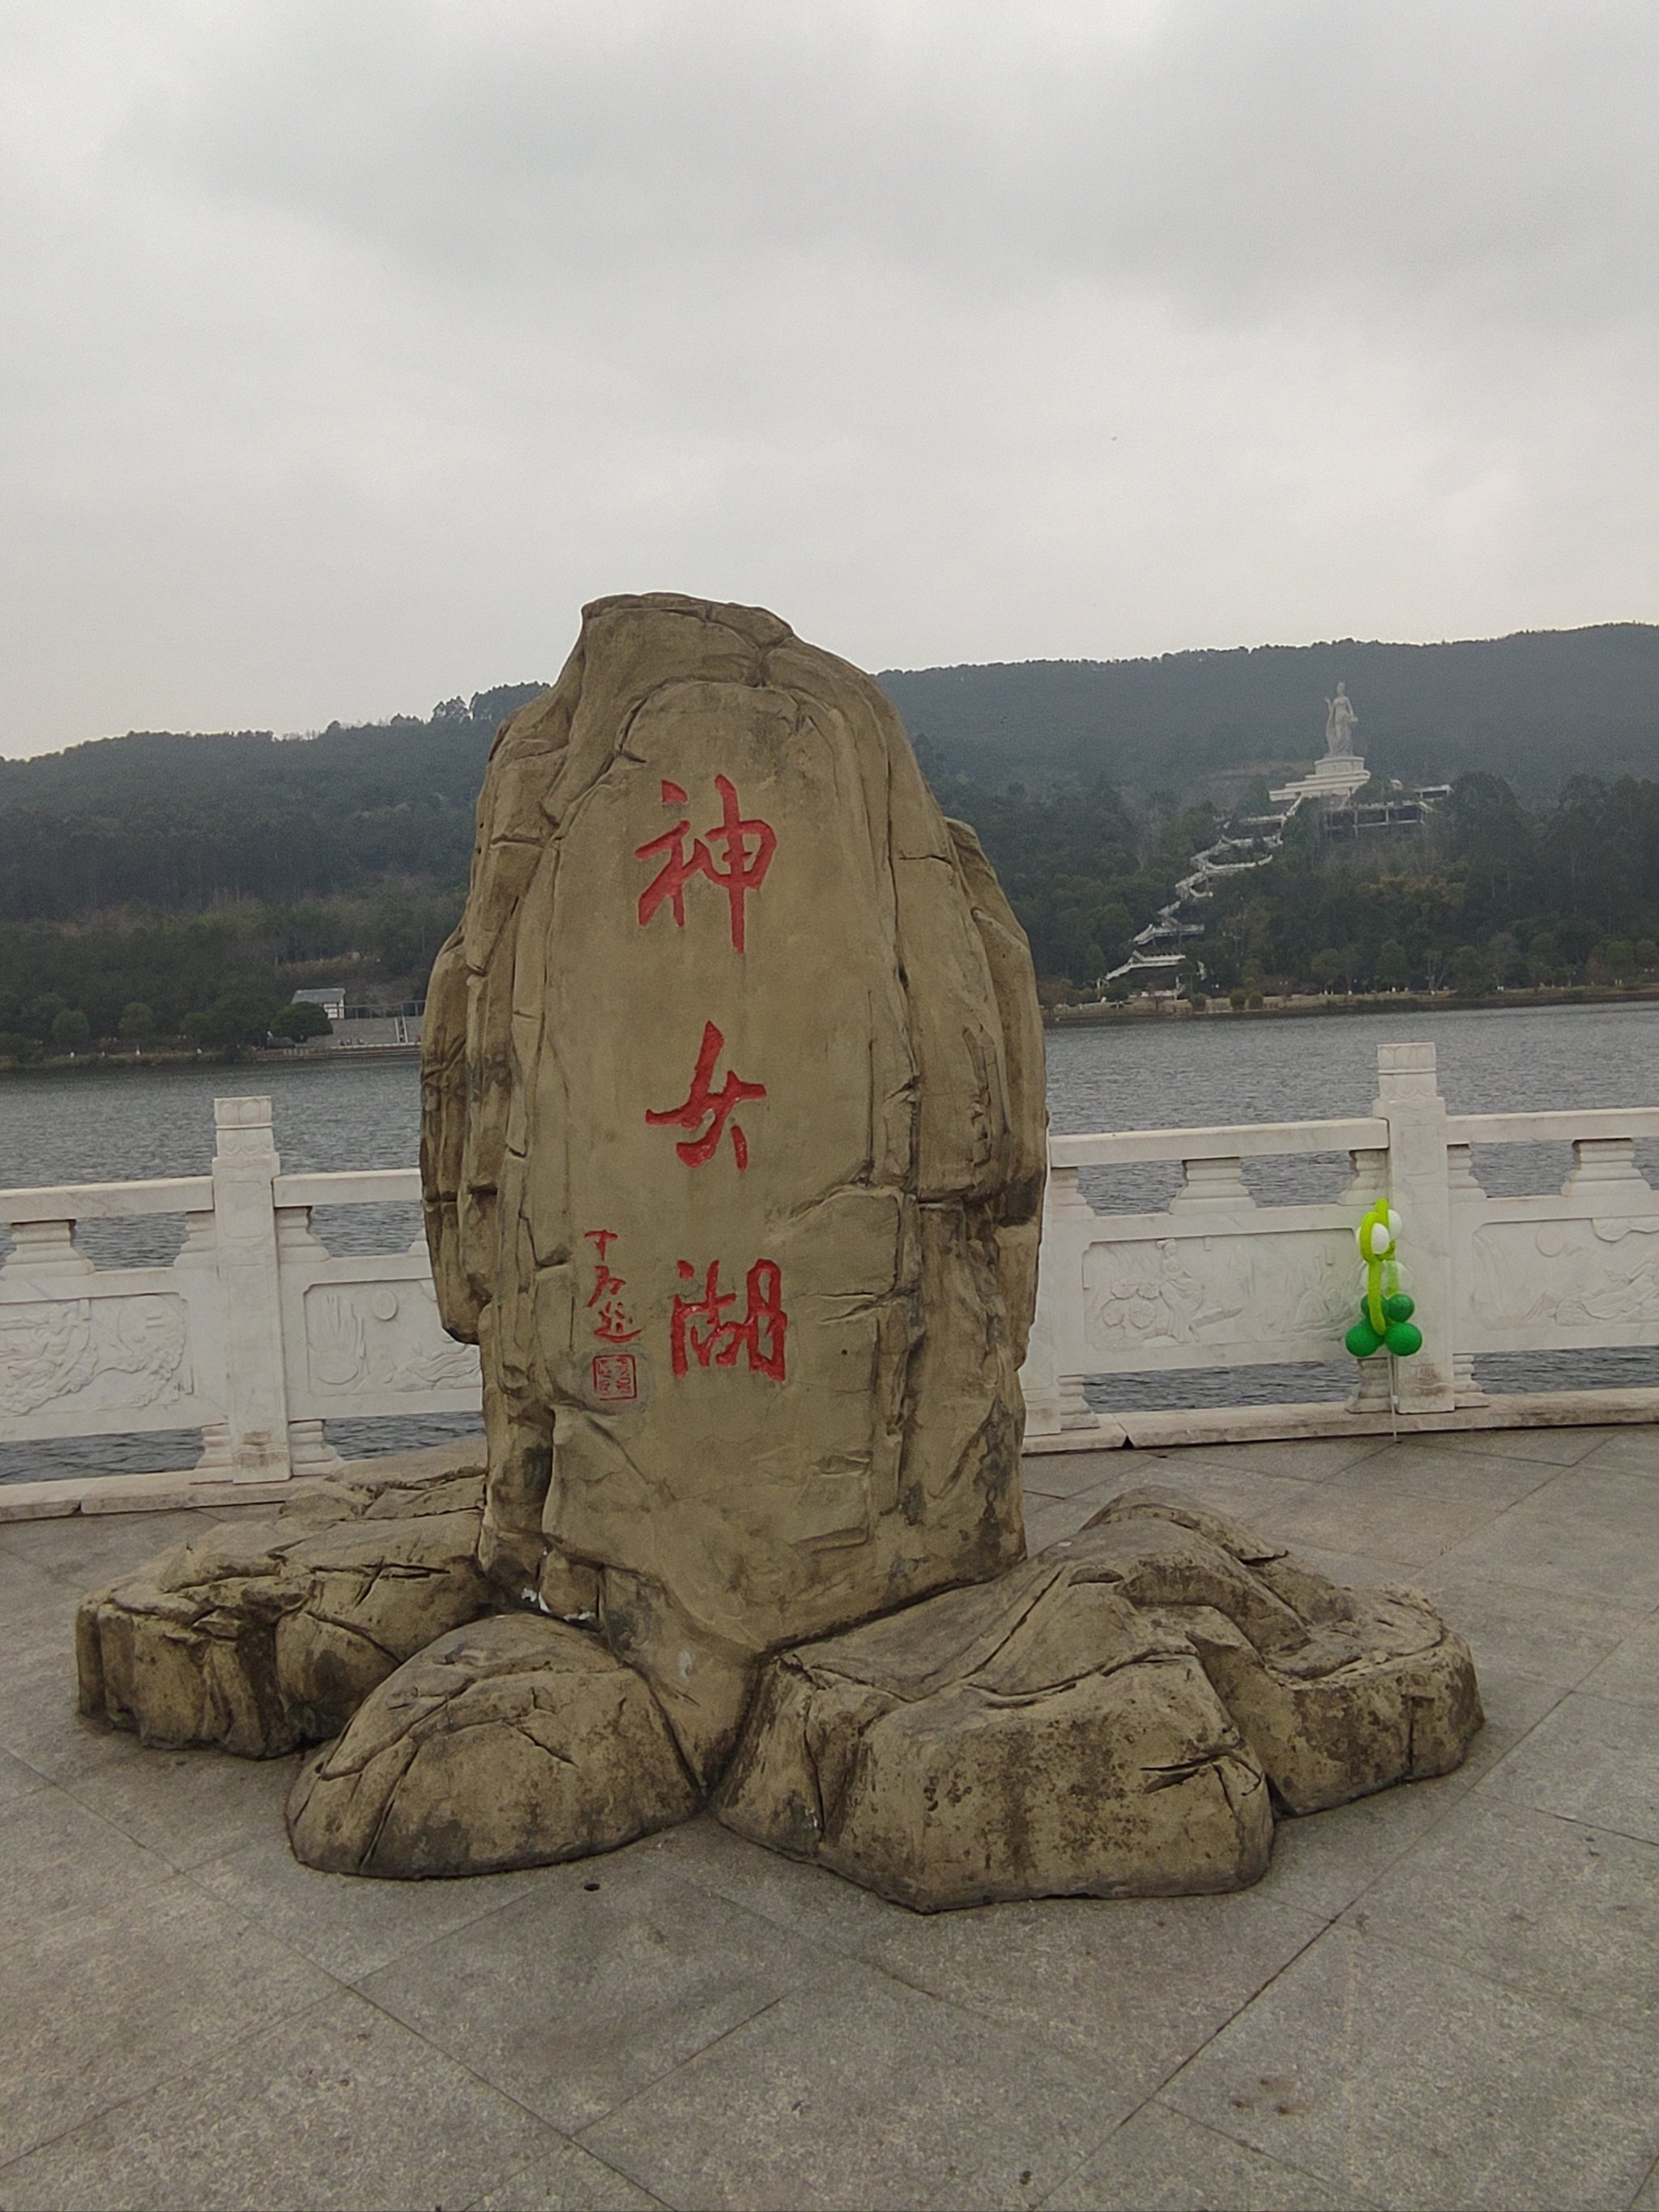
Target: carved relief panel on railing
{"type": "Point", "coordinates": [1578, 1270]}
{"type": "Point", "coordinates": [1542, 1285]}
{"type": "Point", "coordinates": [382, 1338]}
{"type": "Point", "coordinates": [93, 1355]}
{"type": "Point", "coordinates": [1220, 1299]}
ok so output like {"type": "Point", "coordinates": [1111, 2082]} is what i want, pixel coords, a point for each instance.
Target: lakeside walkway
{"type": "Point", "coordinates": [1443, 1996]}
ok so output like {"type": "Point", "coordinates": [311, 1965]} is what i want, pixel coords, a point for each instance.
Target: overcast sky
{"type": "Point", "coordinates": [349, 345]}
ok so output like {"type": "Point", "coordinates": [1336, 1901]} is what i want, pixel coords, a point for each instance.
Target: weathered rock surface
{"type": "Point", "coordinates": [258, 1638]}
{"type": "Point", "coordinates": [1112, 1719]}
{"type": "Point", "coordinates": [513, 1742]}
{"type": "Point", "coordinates": [732, 1148]}
{"type": "Point", "coordinates": [733, 1154]}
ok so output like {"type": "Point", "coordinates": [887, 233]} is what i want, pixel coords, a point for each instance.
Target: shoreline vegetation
{"type": "Point", "coordinates": [1091, 1013]}
{"type": "Point", "coordinates": [1301, 1006]}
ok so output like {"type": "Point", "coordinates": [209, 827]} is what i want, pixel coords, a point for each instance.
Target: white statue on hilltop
{"type": "Point", "coordinates": [1340, 722]}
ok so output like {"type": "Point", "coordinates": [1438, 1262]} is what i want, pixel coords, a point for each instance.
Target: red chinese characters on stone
{"type": "Point", "coordinates": [613, 1323]}
{"type": "Point", "coordinates": [747, 844]}
{"type": "Point", "coordinates": [700, 1330]}
{"type": "Point", "coordinates": [705, 1103]}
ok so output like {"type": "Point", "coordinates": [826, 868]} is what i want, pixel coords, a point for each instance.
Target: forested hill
{"type": "Point", "coordinates": [158, 820]}
{"type": "Point", "coordinates": [157, 886]}
{"type": "Point", "coordinates": [1536, 708]}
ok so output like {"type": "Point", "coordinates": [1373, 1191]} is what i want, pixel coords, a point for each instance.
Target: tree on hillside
{"type": "Point", "coordinates": [239, 1016]}
{"type": "Point", "coordinates": [1326, 965]}
{"type": "Point", "coordinates": [1466, 971]}
{"type": "Point", "coordinates": [1392, 971]}
{"type": "Point", "coordinates": [1503, 957]}
{"type": "Point", "coordinates": [298, 1021]}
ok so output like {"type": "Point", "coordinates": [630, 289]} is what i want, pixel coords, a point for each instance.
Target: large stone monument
{"type": "Point", "coordinates": [1340, 722]}
{"type": "Point", "coordinates": [1340, 771]}
{"type": "Point", "coordinates": [733, 1154]}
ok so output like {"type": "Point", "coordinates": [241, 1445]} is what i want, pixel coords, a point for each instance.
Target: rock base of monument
{"type": "Point", "coordinates": [1120, 1716]}
{"type": "Point", "coordinates": [512, 1742]}
{"type": "Point", "coordinates": [255, 1639]}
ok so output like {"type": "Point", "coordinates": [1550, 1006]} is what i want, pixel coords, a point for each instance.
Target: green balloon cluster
{"type": "Point", "coordinates": [1385, 1322]}
{"type": "Point", "coordinates": [1401, 1336]}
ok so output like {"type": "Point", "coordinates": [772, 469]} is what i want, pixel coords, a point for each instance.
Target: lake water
{"type": "Point", "coordinates": [344, 1114]}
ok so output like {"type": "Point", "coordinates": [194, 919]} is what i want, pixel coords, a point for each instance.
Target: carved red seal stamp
{"type": "Point", "coordinates": [615, 1381]}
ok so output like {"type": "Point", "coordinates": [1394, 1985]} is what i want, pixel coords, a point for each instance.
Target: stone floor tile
{"type": "Point", "coordinates": [1554, 1447]}
{"type": "Point", "coordinates": [1239, 1493]}
{"type": "Point", "coordinates": [1616, 1494]}
{"type": "Point", "coordinates": [1589, 1759]}
{"type": "Point", "coordinates": [1131, 1986]}
{"type": "Point", "coordinates": [1568, 1913]}
{"type": "Point", "coordinates": [86, 1550]}
{"type": "Point", "coordinates": [567, 2180]}
{"type": "Point", "coordinates": [1554, 1635]}
{"type": "Point", "coordinates": [1544, 1543]}
{"type": "Point", "coordinates": [1647, 2199]}
{"type": "Point", "coordinates": [1514, 1705]}
{"type": "Point", "coordinates": [1323, 1862]}
{"type": "Point", "coordinates": [1401, 1529]}
{"type": "Point", "coordinates": [1160, 2161]}
{"type": "Point", "coordinates": [1301, 1458]}
{"type": "Point", "coordinates": [190, 1806]}
{"type": "Point", "coordinates": [1408, 2079]}
{"type": "Point", "coordinates": [710, 1943]}
{"type": "Point", "coordinates": [856, 2095]}
{"type": "Point", "coordinates": [17, 1780]}
{"type": "Point", "coordinates": [1633, 1451]}
{"type": "Point", "coordinates": [349, 1928]}
{"type": "Point", "coordinates": [39, 1725]}
{"type": "Point", "coordinates": [38, 1634]}
{"type": "Point", "coordinates": [103, 2005]}
{"type": "Point", "coordinates": [1630, 1672]}
{"type": "Point", "coordinates": [31, 1603]}
{"type": "Point", "coordinates": [1063, 1474]}
{"type": "Point", "coordinates": [809, 1901]}
{"type": "Point", "coordinates": [1253, 1500]}
{"type": "Point", "coordinates": [606, 1976]}
{"type": "Point", "coordinates": [58, 1859]}
{"type": "Point", "coordinates": [1354, 1568]}
{"type": "Point", "coordinates": [1417, 1468]}
{"type": "Point", "coordinates": [339, 2108]}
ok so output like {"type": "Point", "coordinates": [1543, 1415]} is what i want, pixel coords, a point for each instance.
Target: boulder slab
{"type": "Point", "coordinates": [512, 1742]}
{"type": "Point", "coordinates": [1117, 1718]}
{"type": "Point", "coordinates": [733, 1151]}
{"type": "Point", "coordinates": [256, 1639]}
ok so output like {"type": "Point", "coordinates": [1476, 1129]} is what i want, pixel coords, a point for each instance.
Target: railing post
{"type": "Point", "coordinates": [1052, 1378]}
{"type": "Point", "coordinates": [1409, 1099]}
{"type": "Point", "coordinates": [1467, 1199]}
{"type": "Point", "coordinates": [245, 1168]}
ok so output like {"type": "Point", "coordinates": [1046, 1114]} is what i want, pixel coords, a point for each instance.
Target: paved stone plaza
{"type": "Point", "coordinates": [1443, 1996]}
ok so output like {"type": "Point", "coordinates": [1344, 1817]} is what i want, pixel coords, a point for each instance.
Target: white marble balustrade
{"type": "Point", "coordinates": [1215, 1280]}
{"type": "Point", "coordinates": [258, 1335]}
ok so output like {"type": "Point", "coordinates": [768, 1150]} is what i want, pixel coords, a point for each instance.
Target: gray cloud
{"type": "Point", "coordinates": [355, 341]}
